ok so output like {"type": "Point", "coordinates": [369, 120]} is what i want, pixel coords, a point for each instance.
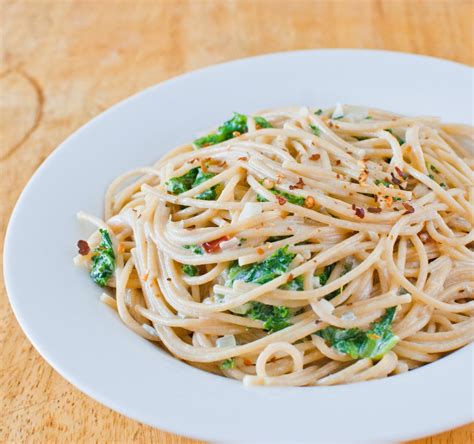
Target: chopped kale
{"type": "Point", "coordinates": [333, 294]}
{"type": "Point", "coordinates": [297, 284]}
{"type": "Point", "coordinates": [229, 129]}
{"type": "Point", "coordinates": [292, 198]}
{"type": "Point", "coordinates": [191, 179]}
{"type": "Point", "coordinates": [383, 182]}
{"type": "Point", "coordinates": [103, 260]}
{"type": "Point", "coordinates": [261, 272]}
{"type": "Point", "coordinates": [190, 270]}
{"type": "Point", "coordinates": [227, 364]}
{"type": "Point", "coordinates": [274, 318]}
{"type": "Point", "coordinates": [358, 344]}
{"type": "Point", "coordinates": [315, 129]}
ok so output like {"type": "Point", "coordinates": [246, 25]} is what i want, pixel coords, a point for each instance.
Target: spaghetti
{"type": "Point", "coordinates": [299, 247]}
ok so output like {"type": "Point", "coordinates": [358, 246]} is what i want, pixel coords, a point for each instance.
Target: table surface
{"type": "Point", "coordinates": [63, 62]}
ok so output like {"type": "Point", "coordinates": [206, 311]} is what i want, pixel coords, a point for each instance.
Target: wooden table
{"type": "Point", "coordinates": [64, 62]}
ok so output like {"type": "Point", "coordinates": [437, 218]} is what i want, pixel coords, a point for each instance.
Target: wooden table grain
{"type": "Point", "coordinates": [63, 62]}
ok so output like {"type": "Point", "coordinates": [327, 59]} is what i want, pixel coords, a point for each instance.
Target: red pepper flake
{"type": "Point", "coordinates": [260, 250]}
{"type": "Point", "coordinates": [359, 212]}
{"type": "Point", "coordinates": [290, 278]}
{"type": "Point", "coordinates": [353, 207]}
{"type": "Point", "coordinates": [374, 210]}
{"type": "Point", "coordinates": [315, 157]}
{"type": "Point", "coordinates": [203, 166]}
{"type": "Point", "coordinates": [247, 361]}
{"type": "Point", "coordinates": [243, 158]}
{"type": "Point", "coordinates": [300, 184]}
{"type": "Point", "coordinates": [215, 245]}
{"type": "Point", "coordinates": [83, 247]}
{"type": "Point", "coordinates": [401, 173]}
{"type": "Point", "coordinates": [338, 162]}
{"type": "Point", "coordinates": [281, 200]}
{"type": "Point", "coordinates": [409, 209]}
{"type": "Point", "coordinates": [395, 181]}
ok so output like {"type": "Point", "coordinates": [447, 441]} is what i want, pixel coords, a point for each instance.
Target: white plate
{"type": "Point", "coordinates": [57, 305]}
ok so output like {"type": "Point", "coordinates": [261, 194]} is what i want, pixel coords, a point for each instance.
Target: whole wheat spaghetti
{"type": "Point", "coordinates": [297, 247]}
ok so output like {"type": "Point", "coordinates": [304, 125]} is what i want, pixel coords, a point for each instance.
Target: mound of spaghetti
{"type": "Point", "coordinates": [297, 247]}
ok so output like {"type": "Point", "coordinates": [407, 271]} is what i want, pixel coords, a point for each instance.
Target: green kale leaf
{"type": "Point", "coordinates": [274, 318]}
{"type": "Point", "coordinates": [292, 198]}
{"type": "Point", "coordinates": [190, 270]}
{"type": "Point", "coordinates": [191, 179]}
{"type": "Point", "coordinates": [226, 131]}
{"type": "Point", "coordinates": [103, 260]}
{"type": "Point", "coordinates": [359, 344]}
{"type": "Point", "coordinates": [261, 272]}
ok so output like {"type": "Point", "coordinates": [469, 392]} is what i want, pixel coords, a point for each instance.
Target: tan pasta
{"type": "Point", "coordinates": [298, 247]}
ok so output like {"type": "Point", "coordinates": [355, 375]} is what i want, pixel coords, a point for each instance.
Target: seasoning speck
{"type": "Point", "coordinates": [300, 184]}
{"type": "Point", "coordinates": [374, 210]}
{"type": "Point", "coordinates": [409, 209]}
{"type": "Point", "coordinates": [83, 247]}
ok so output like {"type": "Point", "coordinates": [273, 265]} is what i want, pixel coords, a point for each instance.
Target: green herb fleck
{"type": "Point", "coordinates": [358, 344]}
{"type": "Point", "coordinates": [190, 270]}
{"type": "Point", "coordinates": [228, 364]}
{"type": "Point", "coordinates": [103, 260]}
{"type": "Point", "coordinates": [315, 129]}
{"type": "Point", "coordinates": [318, 112]}
{"type": "Point", "coordinates": [292, 198]}
{"type": "Point", "coordinates": [324, 276]}
{"type": "Point", "coordinates": [196, 249]}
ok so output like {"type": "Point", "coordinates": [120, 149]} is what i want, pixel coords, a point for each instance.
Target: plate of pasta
{"type": "Point", "coordinates": [281, 252]}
